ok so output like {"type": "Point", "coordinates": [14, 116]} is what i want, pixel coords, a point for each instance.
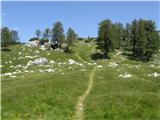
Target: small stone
{"type": "Point", "coordinates": [125, 75]}
{"type": "Point", "coordinates": [99, 66]}
{"type": "Point", "coordinates": [13, 76]}
{"type": "Point", "coordinates": [49, 70]}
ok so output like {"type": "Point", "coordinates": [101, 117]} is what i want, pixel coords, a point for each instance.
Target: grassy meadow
{"type": "Point", "coordinates": [35, 94]}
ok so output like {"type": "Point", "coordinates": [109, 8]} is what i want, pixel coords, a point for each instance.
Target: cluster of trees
{"type": "Point", "coordinates": [140, 37]}
{"type": "Point", "coordinates": [144, 40]}
{"type": "Point", "coordinates": [56, 34]}
{"type": "Point", "coordinates": [9, 37]}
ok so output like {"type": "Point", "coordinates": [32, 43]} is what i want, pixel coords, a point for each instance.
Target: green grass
{"type": "Point", "coordinates": [53, 96]}
{"type": "Point", "coordinates": [115, 98]}
{"type": "Point", "coordinates": [42, 96]}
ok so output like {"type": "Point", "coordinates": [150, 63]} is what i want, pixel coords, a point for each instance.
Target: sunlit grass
{"type": "Point", "coordinates": [54, 95]}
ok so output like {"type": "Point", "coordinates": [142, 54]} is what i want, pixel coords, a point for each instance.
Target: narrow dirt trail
{"type": "Point", "coordinates": [80, 58]}
{"type": "Point", "coordinates": [80, 104]}
{"type": "Point", "coordinates": [118, 53]}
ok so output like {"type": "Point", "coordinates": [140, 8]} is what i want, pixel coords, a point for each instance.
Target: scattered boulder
{"type": "Point", "coordinates": [89, 63]}
{"type": "Point", "coordinates": [137, 66]}
{"type": "Point", "coordinates": [39, 61]}
{"type": "Point", "coordinates": [43, 47]}
{"type": "Point", "coordinates": [152, 65]}
{"type": "Point", "coordinates": [52, 62]}
{"type": "Point", "coordinates": [99, 66]}
{"type": "Point", "coordinates": [125, 75]}
{"type": "Point", "coordinates": [13, 76]}
{"type": "Point", "coordinates": [113, 65]}
{"type": "Point", "coordinates": [18, 71]}
{"type": "Point", "coordinates": [17, 66]}
{"type": "Point", "coordinates": [80, 64]}
{"type": "Point", "coordinates": [71, 61]}
{"type": "Point", "coordinates": [31, 57]}
{"type": "Point", "coordinates": [155, 74]}
{"type": "Point", "coordinates": [10, 62]}
{"type": "Point", "coordinates": [33, 43]}
{"type": "Point", "coordinates": [49, 70]}
{"type": "Point", "coordinates": [32, 71]}
{"type": "Point", "coordinates": [7, 74]}
{"type": "Point", "coordinates": [36, 52]}
{"type": "Point", "coordinates": [26, 71]}
{"type": "Point", "coordinates": [94, 63]}
{"type": "Point", "coordinates": [41, 71]}
{"type": "Point", "coordinates": [14, 72]}
{"type": "Point", "coordinates": [19, 53]}
{"type": "Point", "coordinates": [20, 58]}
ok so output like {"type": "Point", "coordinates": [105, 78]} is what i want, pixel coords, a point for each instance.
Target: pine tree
{"type": "Point", "coordinates": [38, 34]}
{"type": "Point", "coordinates": [58, 33]}
{"type": "Point", "coordinates": [71, 36]}
{"type": "Point", "coordinates": [5, 37]}
{"type": "Point", "coordinates": [127, 35]}
{"type": "Point", "coordinates": [145, 39]}
{"type": "Point", "coordinates": [153, 39]}
{"type": "Point", "coordinates": [134, 36]}
{"type": "Point", "coordinates": [141, 40]}
{"type": "Point", "coordinates": [14, 37]}
{"type": "Point", "coordinates": [46, 34]}
{"type": "Point", "coordinates": [104, 37]}
{"type": "Point", "coordinates": [117, 35]}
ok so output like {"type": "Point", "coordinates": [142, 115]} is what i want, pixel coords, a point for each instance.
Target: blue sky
{"type": "Point", "coordinates": [83, 17]}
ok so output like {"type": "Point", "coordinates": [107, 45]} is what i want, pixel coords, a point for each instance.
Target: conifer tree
{"type": "Point", "coordinates": [104, 37]}
{"type": "Point", "coordinates": [58, 33]}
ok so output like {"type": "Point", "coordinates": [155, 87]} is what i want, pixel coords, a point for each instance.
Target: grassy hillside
{"type": "Point", "coordinates": [89, 90]}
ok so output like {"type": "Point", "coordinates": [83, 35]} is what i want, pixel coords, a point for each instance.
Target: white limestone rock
{"type": "Point", "coordinates": [38, 61]}
{"type": "Point", "coordinates": [71, 61]}
{"type": "Point", "coordinates": [155, 74]}
{"type": "Point", "coordinates": [13, 76]}
{"type": "Point", "coordinates": [49, 70]}
{"type": "Point", "coordinates": [99, 66]}
{"type": "Point", "coordinates": [125, 75]}
{"type": "Point", "coordinates": [113, 65]}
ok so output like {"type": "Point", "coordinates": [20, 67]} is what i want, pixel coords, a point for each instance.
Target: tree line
{"type": "Point", "coordinates": [9, 37]}
{"type": "Point", "coordinates": [56, 34]}
{"type": "Point", "coordinates": [140, 37]}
